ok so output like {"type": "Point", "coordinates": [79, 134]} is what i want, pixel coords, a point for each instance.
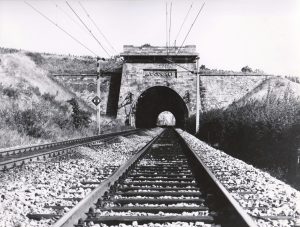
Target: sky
{"type": "Point", "coordinates": [229, 34]}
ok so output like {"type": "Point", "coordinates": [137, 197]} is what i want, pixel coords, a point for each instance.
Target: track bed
{"type": "Point", "coordinates": [165, 185]}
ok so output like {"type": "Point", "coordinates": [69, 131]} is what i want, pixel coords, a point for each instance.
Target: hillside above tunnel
{"type": "Point", "coordinates": [276, 88]}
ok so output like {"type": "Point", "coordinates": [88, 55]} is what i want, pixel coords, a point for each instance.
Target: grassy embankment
{"type": "Point", "coordinates": [36, 108]}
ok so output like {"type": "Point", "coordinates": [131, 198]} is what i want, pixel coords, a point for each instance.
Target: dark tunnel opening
{"type": "Point", "coordinates": [156, 100]}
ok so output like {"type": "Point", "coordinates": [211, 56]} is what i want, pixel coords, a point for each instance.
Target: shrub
{"type": "Point", "coordinates": [80, 117]}
{"type": "Point", "coordinates": [246, 69]}
{"type": "Point", "coordinates": [48, 97]}
{"type": "Point", "coordinates": [10, 92]}
{"type": "Point", "coordinates": [36, 57]}
{"type": "Point", "coordinates": [202, 67]}
{"type": "Point", "coordinates": [34, 90]}
{"type": "Point", "coordinates": [29, 122]}
{"type": "Point", "coordinates": [62, 121]}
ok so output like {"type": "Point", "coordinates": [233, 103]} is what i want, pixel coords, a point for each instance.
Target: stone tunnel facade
{"type": "Point", "coordinates": [157, 79]}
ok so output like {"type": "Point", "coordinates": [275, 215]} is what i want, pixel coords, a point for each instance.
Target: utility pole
{"type": "Point", "coordinates": [98, 94]}
{"type": "Point", "coordinates": [198, 101]}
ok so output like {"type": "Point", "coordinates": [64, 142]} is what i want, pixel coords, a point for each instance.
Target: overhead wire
{"type": "Point", "coordinates": [88, 28]}
{"type": "Point", "coordinates": [97, 27]}
{"type": "Point", "coordinates": [169, 60]}
{"type": "Point", "coordinates": [68, 15]}
{"type": "Point", "coordinates": [191, 27]}
{"type": "Point", "coordinates": [79, 25]}
{"type": "Point", "coordinates": [184, 20]}
{"type": "Point", "coordinates": [71, 36]}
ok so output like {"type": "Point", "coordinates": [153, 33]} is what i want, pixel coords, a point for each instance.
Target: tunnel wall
{"type": "Point", "coordinates": [135, 81]}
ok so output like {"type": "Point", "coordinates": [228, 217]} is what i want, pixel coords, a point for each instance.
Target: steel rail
{"type": "Point", "coordinates": [78, 211]}
{"type": "Point", "coordinates": [65, 142]}
{"type": "Point", "coordinates": [11, 157]}
{"type": "Point", "coordinates": [221, 190]}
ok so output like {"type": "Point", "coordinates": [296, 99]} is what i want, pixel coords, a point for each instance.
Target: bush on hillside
{"type": "Point", "coordinates": [246, 69]}
{"type": "Point", "coordinates": [48, 97]}
{"type": "Point", "coordinates": [37, 58]}
{"type": "Point", "coordinates": [10, 92]}
{"type": "Point", "coordinates": [29, 123]}
{"type": "Point", "coordinates": [80, 117]}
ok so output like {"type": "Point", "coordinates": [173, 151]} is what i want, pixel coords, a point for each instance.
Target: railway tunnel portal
{"type": "Point", "coordinates": [156, 100]}
{"type": "Point", "coordinates": [154, 80]}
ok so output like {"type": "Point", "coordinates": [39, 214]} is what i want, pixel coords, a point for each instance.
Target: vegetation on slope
{"type": "Point", "coordinates": [34, 108]}
{"type": "Point", "coordinates": [39, 108]}
{"type": "Point", "coordinates": [262, 128]}
{"type": "Point", "coordinates": [27, 117]}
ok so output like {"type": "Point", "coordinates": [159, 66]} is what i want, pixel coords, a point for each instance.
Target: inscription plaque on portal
{"type": "Point", "coordinates": [160, 73]}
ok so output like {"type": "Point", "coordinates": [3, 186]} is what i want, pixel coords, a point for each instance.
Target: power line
{"type": "Point", "coordinates": [72, 19]}
{"type": "Point", "coordinates": [111, 46]}
{"type": "Point", "coordinates": [191, 27]}
{"type": "Point", "coordinates": [88, 29]}
{"type": "Point", "coordinates": [183, 23]}
{"type": "Point", "coordinates": [39, 12]}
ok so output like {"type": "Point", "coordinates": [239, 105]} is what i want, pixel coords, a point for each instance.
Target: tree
{"type": "Point", "coordinates": [246, 69]}
{"type": "Point", "coordinates": [203, 67]}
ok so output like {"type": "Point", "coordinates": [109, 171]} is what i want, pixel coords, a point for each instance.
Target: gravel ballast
{"type": "Point", "coordinates": [260, 194]}
{"type": "Point", "coordinates": [30, 188]}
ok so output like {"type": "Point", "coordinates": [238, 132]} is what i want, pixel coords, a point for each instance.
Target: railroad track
{"type": "Point", "coordinates": [164, 183]}
{"type": "Point", "coordinates": [10, 158]}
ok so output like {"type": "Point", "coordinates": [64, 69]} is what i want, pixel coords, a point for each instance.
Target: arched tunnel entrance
{"type": "Point", "coordinates": [158, 99]}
